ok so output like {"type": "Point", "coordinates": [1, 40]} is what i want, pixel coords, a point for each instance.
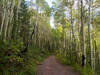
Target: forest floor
{"type": "Point", "coordinates": [51, 66]}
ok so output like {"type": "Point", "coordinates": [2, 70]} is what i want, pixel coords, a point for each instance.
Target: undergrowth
{"type": "Point", "coordinates": [65, 61]}
{"type": "Point", "coordinates": [12, 64]}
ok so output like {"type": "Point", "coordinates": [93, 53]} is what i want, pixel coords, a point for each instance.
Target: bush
{"type": "Point", "coordinates": [83, 70]}
{"type": "Point", "coordinates": [12, 63]}
{"type": "Point", "coordinates": [9, 58]}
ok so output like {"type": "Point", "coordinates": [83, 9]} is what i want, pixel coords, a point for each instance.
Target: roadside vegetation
{"type": "Point", "coordinates": [32, 30]}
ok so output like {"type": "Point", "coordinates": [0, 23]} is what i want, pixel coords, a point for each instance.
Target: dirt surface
{"type": "Point", "coordinates": [51, 67]}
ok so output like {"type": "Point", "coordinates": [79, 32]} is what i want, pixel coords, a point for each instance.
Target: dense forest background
{"type": "Point", "coordinates": [27, 36]}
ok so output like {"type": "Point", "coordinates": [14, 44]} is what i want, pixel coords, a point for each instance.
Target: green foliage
{"type": "Point", "coordinates": [22, 19]}
{"type": "Point", "coordinates": [9, 55]}
{"type": "Point", "coordinates": [62, 58]}
{"type": "Point", "coordinates": [33, 58]}
{"type": "Point", "coordinates": [83, 70]}
{"type": "Point", "coordinates": [10, 60]}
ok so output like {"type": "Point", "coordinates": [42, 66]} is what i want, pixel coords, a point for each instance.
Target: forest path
{"type": "Point", "coordinates": [52, 67]}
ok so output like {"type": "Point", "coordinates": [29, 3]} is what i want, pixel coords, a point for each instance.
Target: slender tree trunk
{"type": "Point", "coordinates": [3, 19]}
{"type": "Point", "coordinates": [79, 52]}
{"type": "Point", "coordinates": [36, 22]}
{"type": "Point", "coordinates": [93, 38]}
{"type": "Point", "coordinates": [89, 39]}
{"type": "Point", "coordinates": [70, 44]}
{"type": "Point", "coordinates": [6, 26]}
{"type": "Point", "coordinates": [82, 35]}
{"type": "Point", "coordinates": [17, 17]}
{"type": "Point", "coordinates": [11, 19]}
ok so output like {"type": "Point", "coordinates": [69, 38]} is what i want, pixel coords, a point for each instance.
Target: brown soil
{"type": "Point", "coordinates": [51, 67]}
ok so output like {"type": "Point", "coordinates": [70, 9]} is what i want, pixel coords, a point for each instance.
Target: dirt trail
{"type": "Point", "coordinates": [51, 67]}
